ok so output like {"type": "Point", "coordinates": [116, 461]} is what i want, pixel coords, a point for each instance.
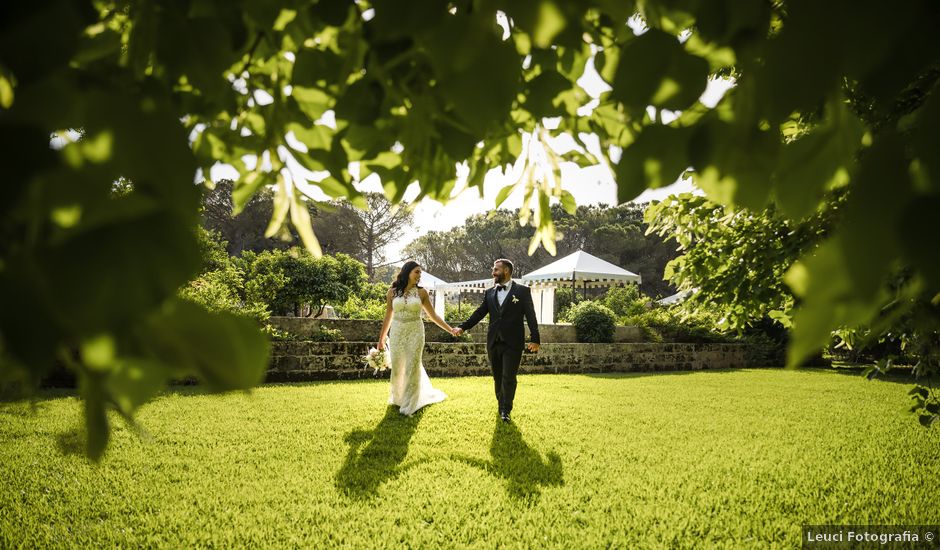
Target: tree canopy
{"type": "Point", "coordinates": [162, 91]}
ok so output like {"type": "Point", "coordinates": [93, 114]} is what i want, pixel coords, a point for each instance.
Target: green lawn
{"type": "Point", "coordinates": [733, 458]}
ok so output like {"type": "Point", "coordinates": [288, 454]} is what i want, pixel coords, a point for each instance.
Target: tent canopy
{"type": "Point", "coordinates": [430, 282]}
{"type": "Point", "coordinates": [581, 267]}
{"type": "Point", "coordinates": [478, 285]}
{"type": "Point", "coordinates": [676, 298]}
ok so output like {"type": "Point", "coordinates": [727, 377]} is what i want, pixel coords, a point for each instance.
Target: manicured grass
{"type": "Point", "coordinates": [725, 458]}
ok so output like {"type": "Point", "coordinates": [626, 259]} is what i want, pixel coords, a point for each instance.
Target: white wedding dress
{"type": "Point", "coordinates": [411, 388]}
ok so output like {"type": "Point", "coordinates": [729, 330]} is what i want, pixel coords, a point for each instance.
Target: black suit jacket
{"type": "Point", "coordinates": [506, 321]}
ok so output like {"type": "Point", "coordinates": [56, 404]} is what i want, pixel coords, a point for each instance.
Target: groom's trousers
{"type": "Point", "coordinates": [505, 364]}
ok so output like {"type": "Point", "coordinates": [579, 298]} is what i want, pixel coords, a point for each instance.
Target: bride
{"type": "Point", "coordinates": [411, 388]}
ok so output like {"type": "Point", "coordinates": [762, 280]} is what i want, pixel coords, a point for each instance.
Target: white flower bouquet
{"type": "Point", "coordinates": [377, 359]}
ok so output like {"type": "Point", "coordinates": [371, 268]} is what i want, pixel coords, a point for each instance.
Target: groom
{"type": "Point", "coordinates": [506, 303]}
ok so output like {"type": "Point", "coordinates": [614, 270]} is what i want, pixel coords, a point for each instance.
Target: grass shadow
{"type": "Point", "coordinates": [613, 375]}
{"type": "Point", "coordinates": [897, 375]}
{"type": "Point", "coordinates": [71, 443]}
{"type": "Point", "coordinates": [375, 456]}
{"type": "Point", "coordinates": [523, 467]}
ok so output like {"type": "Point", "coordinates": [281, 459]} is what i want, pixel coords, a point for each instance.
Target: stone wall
{"type": "Point", "coordinates": [343, 360]}
{"type": "Point", "coordinates": [368, 331]}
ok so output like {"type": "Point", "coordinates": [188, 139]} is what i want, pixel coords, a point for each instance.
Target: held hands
{"type": "Point", "coordinates": [533, 347]}
{"type": "Point", "coordinates": [456, 331]}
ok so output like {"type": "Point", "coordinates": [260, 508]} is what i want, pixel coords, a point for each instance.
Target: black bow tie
{"type": "Point", "coordinates": [500, 287]}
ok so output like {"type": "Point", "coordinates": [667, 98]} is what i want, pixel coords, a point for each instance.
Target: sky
{"type": "Point", "coordinates": [592, 185]}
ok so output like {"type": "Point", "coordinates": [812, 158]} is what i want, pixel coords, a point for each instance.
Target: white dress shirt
{"type": "Point", "coordinates": [501, 294]}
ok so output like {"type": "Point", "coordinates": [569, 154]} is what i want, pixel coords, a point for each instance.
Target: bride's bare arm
{"type": "Point", "coordinates": [429, 309]}
{"type": "Point", "coordinates": [387, 321]}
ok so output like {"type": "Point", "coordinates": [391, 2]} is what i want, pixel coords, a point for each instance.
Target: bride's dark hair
{"type": "Point", "coordinates": [401, 281]}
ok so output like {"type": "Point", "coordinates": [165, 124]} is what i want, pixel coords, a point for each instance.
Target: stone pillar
{"type": "Point", "coordinates": [543, 298]}
{"type": "Point", "coordinates": [439, 302]}
{"type": "Point", "coordinates": [548, 310]}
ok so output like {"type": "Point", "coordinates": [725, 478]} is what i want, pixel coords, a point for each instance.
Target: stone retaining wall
{"type": "Point", "coordinates": [343, 360]}
{"type": "Point", "coordinates": [355, 330]}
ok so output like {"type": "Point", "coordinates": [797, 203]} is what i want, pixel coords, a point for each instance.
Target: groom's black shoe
{"type": "Point", "coordinates": [504, 416]}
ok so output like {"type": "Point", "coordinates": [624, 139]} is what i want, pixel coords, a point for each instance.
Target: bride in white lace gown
{"type": "Point", "coordinates": [410, 388]}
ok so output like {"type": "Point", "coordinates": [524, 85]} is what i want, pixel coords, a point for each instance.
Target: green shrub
{"type": "Point", "coordinates": [288, 280]}
{"type": "Point", "coordinates": [564, 299]}
{"type": "Point", "coordinates": [264, 276]}
{"type": "Point", "coordinates": [212, 247]}
{"type": "Point", "coordinates": [650, 332]}
{"type": "Point", "coordinates": [219, 287]}
{"type": "Point", "coordinates": [367, 303]}
{"type": "Point", "coordinates": [674, 324]}
{"type": "Point", "coordinates": [215, 291]}
{"type": "Point", "coordinates": [326, 334]}
{"type": "Point", "coordinates": [593, 322]}
{"type": "Point", "coordinates": [626, 300]}
{"type": "Point", "coordinates": [458, 314]}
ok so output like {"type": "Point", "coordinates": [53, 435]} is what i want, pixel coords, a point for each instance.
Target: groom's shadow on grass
{"type": "Point", "coordinates": [375, 456]}
{"type": "Point", "coordinates": [523, 468]}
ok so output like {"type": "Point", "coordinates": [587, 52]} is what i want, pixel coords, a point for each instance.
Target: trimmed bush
{"type": "Point", "coordinates": [326, 334]}
{"type": "Point", "coordinates": [593, 322]}
{"type": "Point", "coordinates": [674, 324]}
{"type": "Point", "coordinates": [367, 303]}
{"type": "Point", "coordinates": [565, 298]}
{"type": "Point", "coordinates": [626, 300]}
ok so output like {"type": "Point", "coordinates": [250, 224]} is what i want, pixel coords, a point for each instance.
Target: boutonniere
{"type": "Point", "coordinates": [515, 300]}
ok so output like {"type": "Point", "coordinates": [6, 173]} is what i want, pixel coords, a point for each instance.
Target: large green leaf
{"type": "Point", "coordinates": [919, 235]}
{"type": "Point", "coordinates": [82, 274]}
{"type": "Point", "coordinates": [543, 92]}
{"type": "Point", "coordinates": [541, 19]}
{"type": "Point", "coordinates": [361, 102]}
{"type": "Point", "coordinates": [39, 37]}
{"type": "Point", "coordinates": [317, 68]}
{"type": "Point", "coordinates": [656, 70]}
{"type": "Point", "coordinates": [657, 158]}
{"type": "Point", "coordinates": [150, 146]}
{"type": "Point", "coordinates": [133, 381]}
{"type": "Point", "coordinates": [97, 430]}
{"type": "Point", "coordinates": [225, 351]}
{"type": "Point", "coordinates": [830, 300]}
{"type": "Point", "coordinates": [394, 19]}
{"type": "Point", "coordinates": [844, 282]}
{"type": "Point", "coordinates": [461, 50]}
{"type": "Point", "coordinates": [818, 161]}
{"type": "Point", "coordinates": [733, 163]}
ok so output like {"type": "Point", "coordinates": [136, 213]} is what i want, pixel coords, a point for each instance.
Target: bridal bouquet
{"type": "Point", "coordinates": [377, 359]}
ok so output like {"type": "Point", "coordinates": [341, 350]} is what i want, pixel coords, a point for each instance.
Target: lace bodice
{"type": "Point", "coordinates": [407, 308]}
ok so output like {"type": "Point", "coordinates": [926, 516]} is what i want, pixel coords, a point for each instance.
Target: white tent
{"type": "Point", "coordinates": [477, 286]}
{"type": "Point", "coordinates": [575, 270]}
{"type": "Point", "coordinates": [676, 298]}
{"type": "Point", "coordinates": [430, 282]}
{"type": "Point", "coordinates": [581, 268]}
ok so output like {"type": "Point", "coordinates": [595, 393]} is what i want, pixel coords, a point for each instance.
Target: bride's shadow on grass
{"type": "Point", "coordinates": [375, 456]}
{"type": "Point", "coordinates": [523, 468]}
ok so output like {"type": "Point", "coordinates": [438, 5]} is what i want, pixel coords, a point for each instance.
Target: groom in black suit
{"type": "Point", "coordinates": [506, 303]}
